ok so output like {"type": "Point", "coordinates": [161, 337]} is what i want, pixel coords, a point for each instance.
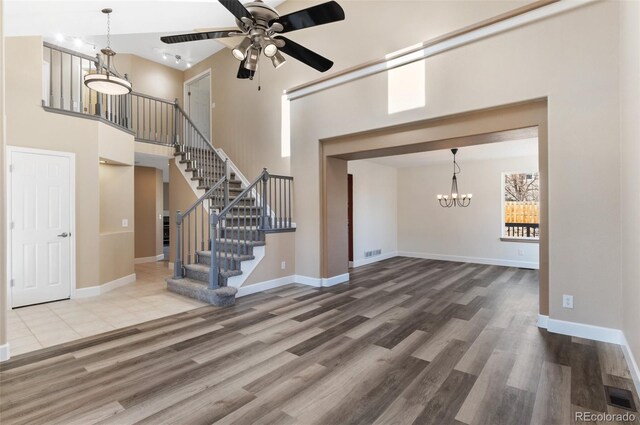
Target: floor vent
{"type": "Point", "coordinates": [619, 397]}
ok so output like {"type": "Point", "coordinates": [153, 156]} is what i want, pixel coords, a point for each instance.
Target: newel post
{"type": "Point", "coordinates": [213, 267]}
{"type": "Point", "coordinates": [177, 267]}
{"type": "Point", "coordinates": [266, 222]}
{"type": "Point", "coordinates": [175, 121]}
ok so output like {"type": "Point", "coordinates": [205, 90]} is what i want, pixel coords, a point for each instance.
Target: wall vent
{"type": "Point", "coordinates": [620, 398]}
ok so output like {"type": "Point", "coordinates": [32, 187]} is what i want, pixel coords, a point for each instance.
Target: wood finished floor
{"type": "Point", "coordinates": [406, 341]}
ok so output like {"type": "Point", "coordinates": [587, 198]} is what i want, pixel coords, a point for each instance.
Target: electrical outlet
{"type": "Point", "coordinates": [283, 265]}
{"type": "Point", "coordinates": [125, 222]}
{"type": "Point", "coordinates": [567, 301]}
{"type": "Point", "coordinates": [520, 252]}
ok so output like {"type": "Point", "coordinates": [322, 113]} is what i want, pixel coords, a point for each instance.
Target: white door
{"type": "Point", "coordinates": [40, 223]}
{"type": "Point", "coordinates": [199, 104]}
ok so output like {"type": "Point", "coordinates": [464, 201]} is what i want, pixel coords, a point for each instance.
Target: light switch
{"type": "Point", "coordinates": [125, 222]}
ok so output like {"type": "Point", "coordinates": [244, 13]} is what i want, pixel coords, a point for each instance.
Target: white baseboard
{"type": "Point", "coordinates": [335, 280]}
{"type": "Point", "coordinates": [5, 354]}
{"type": "Point", "coordinates": [263, 286]}
{"type": "Point", "coordinates": [596, 333]}
{"type": "Point", "coordinates": [306, 280]}
{"type": "Point", "coordinates": [581, 330]}
{"type": "Point", "coordinates": [473, 260]}
{"type": "Point", "coordinates": [143, 260]}
{"type": "Point", "coordinates": [371, 260]}
{"type": "Point", "coordinates": [631, 362]}
{"type": "Point", "coordinates": [93, 291]}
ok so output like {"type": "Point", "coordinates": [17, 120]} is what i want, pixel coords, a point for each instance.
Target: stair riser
{"type": "Point", "coordinates": [240, 221]}
{"type": "Point", "coordinates": [246, 201]}
{"type": "Point", "coordinates": [253, 235]}
{"type": "Point", "coordinates": [244, 250]}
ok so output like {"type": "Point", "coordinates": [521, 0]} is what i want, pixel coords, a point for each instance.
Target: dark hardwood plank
{"type": "Point", "coordinates": [406, 341]}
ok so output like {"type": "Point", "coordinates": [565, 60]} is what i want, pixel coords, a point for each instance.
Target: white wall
{"type": "Point", "coordinates": [375, 218]}
{"type": "Point", "coordinates": [630, 175]}
{"type": "Point", "coordinates": [471, 234]}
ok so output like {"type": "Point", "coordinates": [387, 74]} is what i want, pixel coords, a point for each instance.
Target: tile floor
{"type": "Point", "coordinates": [44, 325]}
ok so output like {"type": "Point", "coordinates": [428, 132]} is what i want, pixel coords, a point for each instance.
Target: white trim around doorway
{"type": "Point", "coordinates": [185, 91]}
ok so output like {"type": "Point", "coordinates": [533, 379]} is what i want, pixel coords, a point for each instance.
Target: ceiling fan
{"type": "Point", "coordinates": [262, 26]}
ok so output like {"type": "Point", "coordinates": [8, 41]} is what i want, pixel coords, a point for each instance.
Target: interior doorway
{"type": "Point", "coordinates": [197, 101]}
{"type": "Point", "coordinates": [41, 226]}
{"type": "Point", "coordinates": [509, 122]}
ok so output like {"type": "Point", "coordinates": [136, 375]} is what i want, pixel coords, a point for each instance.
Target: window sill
{"type": "Point", "coordinates": [523, 240]}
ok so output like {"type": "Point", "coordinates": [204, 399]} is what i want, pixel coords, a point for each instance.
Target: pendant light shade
{"type": "Point", "coordinates": [105, 80]}
{"type": "Point", "coordinates": [107, 84]}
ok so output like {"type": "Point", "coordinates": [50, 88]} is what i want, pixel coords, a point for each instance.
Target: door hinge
{"type": "Point", "coordinates": [13, 282]}
{"type": "Point", "coordinates": [12, 225]}
{"type": "Point", "coordinates": [10, 168]}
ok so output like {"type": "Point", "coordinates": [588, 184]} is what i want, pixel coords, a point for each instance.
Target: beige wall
{"type": "Point", "coordinates": [280, 247]}
{"type": "Point", "coordinates": [538, 60]}
{"type": "Point", "coordinates": [116, 194]}
{"type": "Point", "coordinates": [151, 78]}
{"type": "Point", "coordinates": [28, 125]}
{"type": "Point", "coordinates": [238, 102]}
{"type": "Point", "coordinates": [181, 197]}
{"type": "Point", "coordinates": [148, 209]}
{"type": "Point", "coordinates": [3, 240]}
{"type": "Point", "coordinates": [630, 172]}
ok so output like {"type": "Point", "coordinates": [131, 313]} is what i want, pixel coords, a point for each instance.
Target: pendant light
{"type": "Point", "coordinates": [105, 80]}
{"type": "Point", "coordinates": [455, 199]}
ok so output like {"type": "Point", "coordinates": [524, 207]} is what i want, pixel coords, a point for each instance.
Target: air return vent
{"type": "Point", "coordinates": [620, 398]}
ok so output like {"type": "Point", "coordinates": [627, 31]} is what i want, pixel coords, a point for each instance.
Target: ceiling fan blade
{"type": "Point", "coordinates": [236, 8]}
{"type": "Point", "coordinates": [305, 55]}
{"type": "Point", "coordinates": [195, 36]}
{"type": "Point", "coordinates": [244, 73]}
{"type": "Point", "coordinates": [321, 14]}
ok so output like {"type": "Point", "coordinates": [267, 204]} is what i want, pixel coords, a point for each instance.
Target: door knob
{"type": "Point", "coordinates": [63, 235]}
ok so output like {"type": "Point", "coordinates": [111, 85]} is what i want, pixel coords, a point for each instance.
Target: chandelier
{"type": "Point", "coordinates": [455, 199]}
{"type": "Point", "coordinates": [105, 80]}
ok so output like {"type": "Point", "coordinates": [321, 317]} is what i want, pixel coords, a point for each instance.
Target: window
{"type": "Point", "coordinates": [521, 205]}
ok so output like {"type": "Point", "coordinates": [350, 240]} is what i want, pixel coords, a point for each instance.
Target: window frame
{"type": "Point", "coordinates": [503, 236]}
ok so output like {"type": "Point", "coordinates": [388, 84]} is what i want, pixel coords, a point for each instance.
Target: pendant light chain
{"type": "Point", "coordinates": [108, 30]}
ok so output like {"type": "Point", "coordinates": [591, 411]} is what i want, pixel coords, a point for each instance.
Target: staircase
{"type": "Point", "coordinates": [223, 229]}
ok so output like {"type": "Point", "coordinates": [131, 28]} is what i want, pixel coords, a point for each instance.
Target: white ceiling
{"type": "Point", "coordinates": [136, 25]}
{"type": "Point", "coordinates": [525, 147]}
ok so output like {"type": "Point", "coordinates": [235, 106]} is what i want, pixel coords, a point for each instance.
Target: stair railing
{"type": "Point", "coordinates": [265, 206]}
{"type": "Point", "coordinates": [64, 90]}
{"type": "Point", "coordinates": [192, 227]}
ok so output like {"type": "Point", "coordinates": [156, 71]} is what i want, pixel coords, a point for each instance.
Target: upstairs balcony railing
{"type": "Point", "coordinates": [149, 118]}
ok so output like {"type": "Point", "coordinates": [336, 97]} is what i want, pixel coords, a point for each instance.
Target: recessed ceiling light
{"type": "Point", "coordinates": [164, 56]}
{"type": "Point", "coordinates": [60, 37]}
{"type": "Point", "coordinates": [77, 42]}
{"type": "Point", "coordinates": [188, 65]}
{"type": "Point", "coordinates": [102, 161]}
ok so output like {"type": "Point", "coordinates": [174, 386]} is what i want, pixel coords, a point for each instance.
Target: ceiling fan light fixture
{"type": "Point", "coordinates": [251, 61]}
{"type": "Point", "coordinates": [278, 60]}
{"type": "Point", "coordinates": [270, 49]}
{"type": "Point", "coordinates": [240, 52]}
